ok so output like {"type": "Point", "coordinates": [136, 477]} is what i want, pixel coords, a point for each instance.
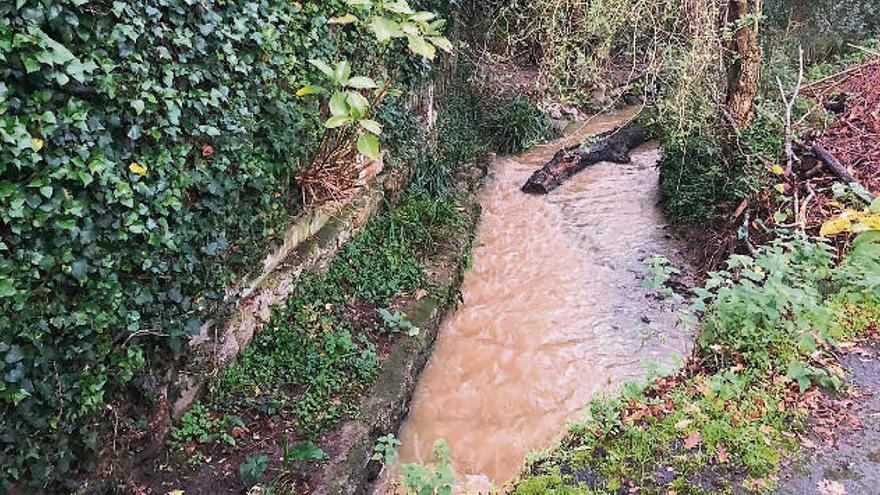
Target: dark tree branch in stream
{"type": "Point", "coordinates": [611, 147]}
{"type": "Point", "coordinates": [834, 165]}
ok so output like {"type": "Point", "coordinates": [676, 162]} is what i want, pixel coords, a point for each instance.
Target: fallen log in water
{"type": "Point", "coordinates": [611, 147]}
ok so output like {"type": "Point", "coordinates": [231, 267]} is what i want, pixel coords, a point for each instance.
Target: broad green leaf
{"type": "Point", "coordinates": [399, 7]}
{"type": "Point", "coordinates": [336, 121]}
{"type": "Point", "coordinates": [341, 72]}
{"type": "Point", "coordinates": [360, 3]}
{"type": "Point", "coordinates": [345, 19]}
{"type": "Point", "coordinates": [368, 145]}
{"type": "Point", "coordinates": [309, 90]}
{"type": "Point", "coordinates": [419, 46]}
{"type": "Point", "coordinates": [385, 29]}
{"type": "Point", "coordinates": [357, 101]}
{"type": "Point", "coordinates": [423, 16]}
{"type": "Point", "coordinates": [323, 67]}
{"type": "Point", "coordinates": [338, 106]}
{"type": "Point", "coordinates": [361, 82]}
{"type": "Point", "coordinates": [307, 451]}
{"type": "Point", "coordinates": [442, 43]}
{"type": "Point", "coordinates": [371, 126]}
{"type": "Point", "coordinates": [138, 106]}
{"type": "Point", "coordinates": [410, 28]}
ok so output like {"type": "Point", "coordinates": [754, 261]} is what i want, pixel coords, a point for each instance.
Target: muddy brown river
{"type": "Point", "coordinates": [553, 314]}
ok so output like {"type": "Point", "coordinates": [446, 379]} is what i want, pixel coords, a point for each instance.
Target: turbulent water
{"type": "Point", "coordinates": [553, 313]}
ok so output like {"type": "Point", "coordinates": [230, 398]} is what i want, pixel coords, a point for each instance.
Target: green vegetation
{"type": "Point", "coordinates": [768, 323]}
{"type": "Point", "coordinates": [435, 478]}
{"type": "Point", "coordinates": [148, 156]}
{"type": "Point", "coordinates": [312, 362]}
{"type": "Point", "coordinates": [517, 124]}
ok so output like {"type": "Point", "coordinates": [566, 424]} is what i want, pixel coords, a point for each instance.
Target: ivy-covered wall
{"type": "Point", "coordinates": [147, 156]}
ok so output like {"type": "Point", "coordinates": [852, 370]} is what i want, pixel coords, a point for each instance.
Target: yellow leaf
{"type": "Point", "coordinates": [137, 168]}
{"type": "Point", "coordinates": [835, 226]}
{"type": "Point", "coordinates": [777, 169]}
{"type": "Point", "coordinates": [175, 492]}
{"type": "Point", "coordinates": [37, 144]}
{"type": "Point", "coordinates": [835, 204]}
{"type": "Point", "coordinates": [871, 221]}
{"type": "Point", "coordinates": [780, 188]}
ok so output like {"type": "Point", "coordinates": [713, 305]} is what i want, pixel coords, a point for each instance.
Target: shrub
{"type": "Point", "coordinates": [148, 149]}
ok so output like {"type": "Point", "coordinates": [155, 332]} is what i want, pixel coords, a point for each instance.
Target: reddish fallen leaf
{"type": "Point", "coordinates": [722, 454]}
{"type": "Point", "coordinates": [207, 150]}
{"type": "Point", "coordinates": [693, 440]}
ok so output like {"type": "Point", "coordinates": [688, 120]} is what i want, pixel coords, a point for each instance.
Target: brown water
{"type": "Point", "coordinates": [553, 314]}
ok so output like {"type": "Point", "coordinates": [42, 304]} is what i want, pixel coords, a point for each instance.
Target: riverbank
{"type": "Point", "coordinates": [301, 410]}
{"type": "Point", "coordinates": [780, 380]}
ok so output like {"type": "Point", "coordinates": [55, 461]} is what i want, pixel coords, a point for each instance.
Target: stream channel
{"type": "Point", "coordinates": [553, 313]}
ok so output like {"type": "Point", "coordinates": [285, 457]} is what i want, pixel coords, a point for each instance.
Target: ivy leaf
{"type": "Point", "coordinates": [46, 191]}
{"type": "Point", "coordinates": [37, 144]}
{"type": "Point", "coordinates": [137, 168]}
{"type": "Point", "coordinates": [7, 288]}
{"type": "Point", "coordinates": [368, 145]}
{"type": "Point", "coordinates": [385, 29]}
{"type": "Point", "coordinates": [138, 106]}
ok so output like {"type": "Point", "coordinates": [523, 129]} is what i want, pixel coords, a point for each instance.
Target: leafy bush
{"type": "Point", "coordinates": [777, 308]}
{"type": "Point", "coordinates": [148, 148]}
{"type": "Point", "coordinates": [699, 177]}
{"type": "Point", "coordinates": [517, 124]}
{"type": "Point", "coordinates": [765, 320]}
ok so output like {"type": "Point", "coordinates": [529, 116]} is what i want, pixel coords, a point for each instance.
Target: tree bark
{"type": "Point", "coordinates": [612, 147]}
{"type": "Point", "coordinates": [744, 62]}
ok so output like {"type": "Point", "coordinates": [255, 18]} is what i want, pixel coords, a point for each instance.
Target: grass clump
{"type": "Point", "coordinates": [768, 327]}
{"type": "Point", "coordinates": [517, 124]}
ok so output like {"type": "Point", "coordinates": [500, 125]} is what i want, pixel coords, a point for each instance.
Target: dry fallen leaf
{"type": "Point", "coordinates": [692, 440]}
{"type": "Point", "coordinates": [722, 454]}
{"type": "Point", "coordinates": [683, 424]}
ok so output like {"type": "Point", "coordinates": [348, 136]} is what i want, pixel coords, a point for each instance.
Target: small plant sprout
{"type": "Point", "coordinates": [660, 270]}
{"type": "Point", "coordinates": [397, 323]}
{"type": "Point", "coordinates": [385, 450]}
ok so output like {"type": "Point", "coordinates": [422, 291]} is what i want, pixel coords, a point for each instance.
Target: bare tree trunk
{"type": "Point", "coordinates": [744, 63]}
